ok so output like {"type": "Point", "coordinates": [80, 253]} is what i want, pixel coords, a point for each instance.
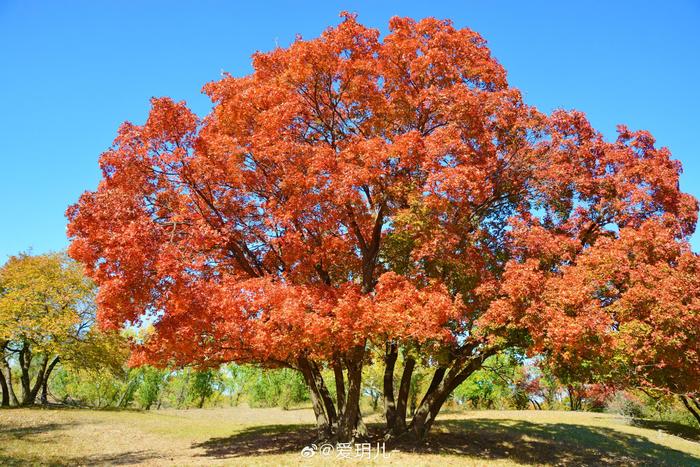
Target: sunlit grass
{"type": "Point", "coordinates": [244, 436]}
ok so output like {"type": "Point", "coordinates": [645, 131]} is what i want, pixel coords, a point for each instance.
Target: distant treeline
{"type": "Point", "coordinates": [152, 388]}
{"type": "Point", "coordinates": [505, 382]}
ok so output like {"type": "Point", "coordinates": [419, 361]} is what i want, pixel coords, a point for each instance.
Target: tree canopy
{"type": "Point", "coordinates": [393, 192]}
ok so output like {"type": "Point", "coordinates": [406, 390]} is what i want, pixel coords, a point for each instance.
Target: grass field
{"type": "Point", "coordinates": [243, 436]}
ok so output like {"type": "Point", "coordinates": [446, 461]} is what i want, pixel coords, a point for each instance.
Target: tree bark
{"type": "Point", "coordinates": [45, 382]}
{"type": "Point", "coordinates": [350, 421]}
{"type": "Point", "coordinates": [402, 401]}
{"type": "Point", "coordinates": [438, 392]}
{"type": "Point", "coordinates": [5, 401]}
{"type": "Point", "coordinates": [696, 401]}
{"type": "Point", "coordinates": [7, 371]}
{"type": "Point", "coordinates": [38, 381]}
{"type": "Point", "coordinates": [360, 427]}
{"type": "Point", "coordinates": [322, 423]}
{"type": "Point", "coordinates": [434, 383]}
{"type": "Point", "coordinates": [29, 390]}
{"type": "Point", "coordinates": [390, 357]}
{"type": "Point", "coordinates": [574, 401]}
{"type": "Point", "coordinates": [25, 358]}
{"type": "Point", "coordinates": [325, 394]}
{"type": "Point", "coordinates": [339, 386]}
{"type": "Point", "coordinates": [690, 408]}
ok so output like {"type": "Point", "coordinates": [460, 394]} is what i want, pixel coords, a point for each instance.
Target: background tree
{"type": "Point", "coordinates": [202, 386]}
{"type": "Point", "coordinates": [46, 316]}
{"type": "Point", "coordinates": [358, 192]}
{"type": "Point", "coordinates": [151, 384]}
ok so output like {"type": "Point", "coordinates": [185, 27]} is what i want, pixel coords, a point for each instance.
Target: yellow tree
{"type": "Point", "coordinates": [47, 313]}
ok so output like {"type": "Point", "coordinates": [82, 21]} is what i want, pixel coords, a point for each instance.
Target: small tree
{"type": "Point", "coordinates": [202, 386]}
{"type": "Point", "coordinates": [47, 313]}
{"type": "Point", "coordinates": [151, 382]}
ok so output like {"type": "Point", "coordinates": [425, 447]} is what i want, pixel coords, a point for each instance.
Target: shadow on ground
{"type": "Point", "coordinates": [26, 431]}
{"type": "Point", "coordinates": [122, 458]}
{"type": "Point", "coordinates": [515, 440]}
{"type": "Point", "coordinates": [260, 441]}
{"type": "Point", "coordinates": [671, 428]}
{"type": "Point", "coordinates": [35, 432]}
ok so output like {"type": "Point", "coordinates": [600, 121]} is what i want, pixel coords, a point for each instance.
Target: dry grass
{"type": "Point", "coordinates": [243, 436]}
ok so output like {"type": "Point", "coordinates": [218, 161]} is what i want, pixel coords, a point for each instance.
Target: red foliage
{"type": "Point", "coordinates": [356, 189]}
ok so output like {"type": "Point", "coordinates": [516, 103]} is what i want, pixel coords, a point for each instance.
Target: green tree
{"type": "Point", "coordinates": [151, 383]}
{"type": "Point", "coordinates": [202, 386]}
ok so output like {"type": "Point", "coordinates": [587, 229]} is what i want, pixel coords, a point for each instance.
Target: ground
{"type": "Point", "coordinates": [244, 436]}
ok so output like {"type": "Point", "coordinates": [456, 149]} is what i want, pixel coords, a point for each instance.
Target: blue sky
{"type": "Point", "coordinates": [71, 71]}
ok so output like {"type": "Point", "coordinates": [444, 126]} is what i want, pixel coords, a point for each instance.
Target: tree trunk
{"type": "Point", "coordinates": [322, 423]}
{"type": "Point", "coordinates": [428, 410]}
{"type": "Point", "coordinates": [5, 401]}
{"type": "Point", "coordinates": [325, 394]}
{"type": "Point", "coordinates": [38, 381]}
{"type": "Point", "coordinates": [404, 389]}
{"type": "Point", "coordinates": [343, 425]}
{"type": "Point", "coordinates": [574, 401]}
{"type": "Point", "coordinates": [696, 401]}
{"type": "Point", "coordinates": [690, 408]}
{"type": "Point", "coordinates": [390, 357]}
{"type": "Point", "coordinates": [183, 389]}
{"type": "Point", "coordinates": [126, 396]}
{"type": "Point", "coordinates": [44, 392]}
{"type": "Point", "coordinates": [434, 383]}
{"type": "Point", "coordinates": [360, 427]}
{"type": "Point", "coordinates": [339, 386]}
{"type": "Point", "coordinates": [29, 390]}
{"type": "Point", "coordinates": [25, 358]}
{"type": "Point", "coordinates": [45, 382]}
{"type": "Point", "coordinates": [438, 392]}
{"type": "Point", "coordinates": [350, 421]}
{"type": "Point", "coordinates": [7, 372]}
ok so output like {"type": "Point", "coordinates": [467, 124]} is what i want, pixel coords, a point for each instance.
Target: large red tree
{"type": "Point", "coordinates": [357, 192]}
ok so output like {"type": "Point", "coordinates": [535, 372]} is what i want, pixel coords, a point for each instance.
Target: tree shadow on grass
{"type": "Point", "coordinates": [503, 439]}
{"type": "Point", "coordinates": [682, 431]}
{"type": "Point", "coordinates": [124, 458]}
{"type": "Point", "coordinates": [554, 443]}
{"type": "Point", "coordinates": [34, 433]}
{"type": "Point", "coordinates": [33, 430]}
{"type": "Point", "coordinates": [260, 441]}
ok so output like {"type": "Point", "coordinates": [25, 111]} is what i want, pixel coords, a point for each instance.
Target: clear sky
{"type": "Point", "coordinates": [71, 71]}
